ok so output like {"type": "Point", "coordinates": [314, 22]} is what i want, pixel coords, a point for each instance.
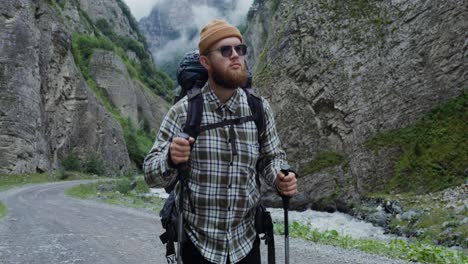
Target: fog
{"type": "Point", "coordinates": [140, 8]}
{"type": "Point", "coordinates": [202, 14]}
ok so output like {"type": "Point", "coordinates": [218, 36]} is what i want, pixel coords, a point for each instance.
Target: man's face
{"type": "Point", "coordinates": [228, 72]}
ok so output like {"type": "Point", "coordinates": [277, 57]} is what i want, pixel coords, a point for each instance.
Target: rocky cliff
{"type": "Point", "coordinates": [338, 73]}
{"type": "Point", "coordinates": [50, 107]}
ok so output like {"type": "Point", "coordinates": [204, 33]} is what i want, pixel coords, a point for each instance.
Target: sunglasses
{"type": "Point", "coordinates": [226, 51]}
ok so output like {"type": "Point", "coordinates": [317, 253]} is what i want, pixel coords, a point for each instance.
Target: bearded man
{"type": "Point", "coordinates": [222, 188]}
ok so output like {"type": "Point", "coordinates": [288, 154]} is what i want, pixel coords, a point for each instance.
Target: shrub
{"type": "Point", "coordinates": [136, 153]}
{"type": "Point", "coordinates": [141, 186]}
{"type": "Point", "coordinates": [94, 164]}
{"type": "Point", "coordinates": [105, 27]}
{"type": "Point", "coordinates": [124, 185]}
{"type": "Point", "coordinates": [63, 175]}
{"type": "Point", "coordinates": [71, 162]}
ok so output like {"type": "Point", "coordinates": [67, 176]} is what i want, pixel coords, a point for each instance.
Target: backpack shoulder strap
{"type": "Point", "coordinates": [256, 106]}
{"type": "Point", "coordinates": [194, 110]}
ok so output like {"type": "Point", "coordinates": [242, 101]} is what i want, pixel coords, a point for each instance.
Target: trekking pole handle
{"type": "Point", "coordinates": [183, 166]}
{"type": "Point", "coordinates": [285, 169]}
{"type": "Point", "coordinates": [183, 135]}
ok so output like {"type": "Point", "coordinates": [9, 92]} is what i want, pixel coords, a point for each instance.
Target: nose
{"type": "Point", "coordinates": [234, 53]}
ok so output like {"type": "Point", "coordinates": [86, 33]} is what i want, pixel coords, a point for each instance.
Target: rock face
{"type": "Point", "coordinates": [131, 98]}
{"type": "Point", "coordinates": [337, 73]}
{"type": "Point", "coordinates": [47, 109]}
{"type": "Point", "coordinates": [112, 12]}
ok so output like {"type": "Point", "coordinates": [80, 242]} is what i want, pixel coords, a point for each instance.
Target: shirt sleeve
{"type": "Point", "coordinates": [157, 163]}
{"type": "Point", "coordinates": [272, 155]}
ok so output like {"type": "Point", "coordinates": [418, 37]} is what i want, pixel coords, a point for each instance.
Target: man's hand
{"type": "Point", "coordinates": [286, 185]}
{"type": "Point", "coordinates": [180, 149]}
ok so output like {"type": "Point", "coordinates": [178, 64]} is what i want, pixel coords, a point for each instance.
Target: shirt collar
{"type": "Point", "coordinates": [215, 103]}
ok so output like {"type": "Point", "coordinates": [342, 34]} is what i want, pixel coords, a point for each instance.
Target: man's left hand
{"type": "Point", "coordinates": [286, 185]}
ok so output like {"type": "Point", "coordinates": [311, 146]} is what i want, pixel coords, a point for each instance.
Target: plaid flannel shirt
{"type": "Point", "coordinates": [222, 186]}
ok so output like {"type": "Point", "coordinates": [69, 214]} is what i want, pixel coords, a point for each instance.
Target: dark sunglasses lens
{"type": "Point", "coordinates": [241, 49]}
{"type": "Point", "coordinates": [226, 51]}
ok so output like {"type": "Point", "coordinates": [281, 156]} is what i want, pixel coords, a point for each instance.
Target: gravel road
{"type": "Point", "coordinates": [45, 226]}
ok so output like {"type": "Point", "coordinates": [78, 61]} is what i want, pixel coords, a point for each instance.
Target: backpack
{"type": "Point", "coordinates": [192, 76]}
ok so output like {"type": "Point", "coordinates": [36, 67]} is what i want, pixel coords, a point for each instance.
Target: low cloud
{"type": "Point", "coordinates": [175, 48]}
{"type": "Point", "coordinates": [141, 8]}
{"type": "Point", "coordinates": [240, 12]}
{"type": "Point", "coordinates": [202, 14]}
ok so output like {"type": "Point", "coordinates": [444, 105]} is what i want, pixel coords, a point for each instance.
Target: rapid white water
{"type": "Point", "coordinates": [322, 221]}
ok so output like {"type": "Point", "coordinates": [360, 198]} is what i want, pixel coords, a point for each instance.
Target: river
{"type": "Point", "coordinates": [344, 224]}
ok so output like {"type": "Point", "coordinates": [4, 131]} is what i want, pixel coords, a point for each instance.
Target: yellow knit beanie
{"type": "Point", "coordinates": [215, 31]}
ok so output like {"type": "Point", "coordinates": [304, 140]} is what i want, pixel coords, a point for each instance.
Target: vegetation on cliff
{"type": "Point", "coordinates": [427, 186]}
{"type": "Point", "coordinates": [322, 161]}
{"type": "Point", "coordinates": [138, 139]}
{"type": "Point", "coordinates": [435, 150]}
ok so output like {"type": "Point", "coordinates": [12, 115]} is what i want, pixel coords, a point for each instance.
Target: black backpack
{"type": "Point", "coordinates": [192, 76]}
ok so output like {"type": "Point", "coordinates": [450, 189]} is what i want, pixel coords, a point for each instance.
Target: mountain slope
{"type": "Point", "coordinates": [53, 103]}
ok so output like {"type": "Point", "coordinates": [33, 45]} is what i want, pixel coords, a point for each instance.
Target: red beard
{"type": "Point", "coordinates": [230, 78]}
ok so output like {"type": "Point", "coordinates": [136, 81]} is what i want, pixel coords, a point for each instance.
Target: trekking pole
{"type": "Point", "coordinates": [183, 169]}
{"type": "Point", "coordinates": [285, 169]}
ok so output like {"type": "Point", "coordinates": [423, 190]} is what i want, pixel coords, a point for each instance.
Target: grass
{"type": "Point", "coordinates": [370, 20]}
{"type": "Point", "coordinates": [435, 149]}
{"type": "Point", "coordinates": [322, 161]}
{"type": "Point", "coordinates": [14, 180]}
{"type": "Point", "coordinates": [410, 251]}
{"type": "Point", "coordinates": [3, 210]}
{"type": "Point", "coordinates": [274, 5]}
{"type": "Point", "coordinates": [119, 192]}
{"type": "Point", "coordinates": [263, 71]}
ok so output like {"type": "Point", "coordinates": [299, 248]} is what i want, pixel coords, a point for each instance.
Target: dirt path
{"type": "Point", "coordinates": [45, 226]}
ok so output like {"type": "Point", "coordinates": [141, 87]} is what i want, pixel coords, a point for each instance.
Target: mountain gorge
{"type": "Point", "coordinates": [76, 80]}
{"type": "Point", "coordinates": [368, 95]}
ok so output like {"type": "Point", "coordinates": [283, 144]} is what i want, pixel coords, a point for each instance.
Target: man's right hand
{"type": "Point", "coordinates": [180, 149]}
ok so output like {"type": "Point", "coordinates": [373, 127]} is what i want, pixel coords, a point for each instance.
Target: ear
{"type": "Point", "coordinates": [205, 62]}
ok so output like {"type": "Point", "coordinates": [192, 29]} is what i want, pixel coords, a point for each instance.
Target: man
{"type": "Point", "coordinates": [223, 194]}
